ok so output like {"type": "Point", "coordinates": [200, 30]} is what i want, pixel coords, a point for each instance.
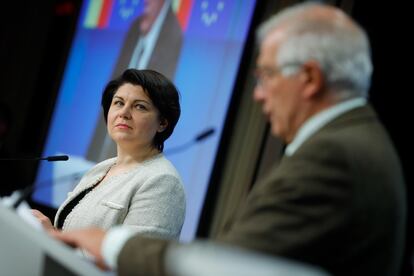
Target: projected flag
{"type": "Point", "coordinates": [98, 14]}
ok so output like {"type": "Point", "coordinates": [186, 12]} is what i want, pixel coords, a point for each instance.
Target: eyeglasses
{"type": "Point", "coordinates": [264, 74]}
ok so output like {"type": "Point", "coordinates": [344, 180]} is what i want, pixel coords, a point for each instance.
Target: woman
{"type": "Point", "coordinates": [139, 187]}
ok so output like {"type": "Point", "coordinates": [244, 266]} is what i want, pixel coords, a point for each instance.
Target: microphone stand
{"type": "Point", "coordinates": [25, 193]}
{"type": "Point", "coordinates": [200, 137]}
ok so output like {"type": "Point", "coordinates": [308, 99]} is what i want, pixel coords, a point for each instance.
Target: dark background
{"type": "Point", "coordinates": [388, 29]}
{"type": "Point", "coordinates": [35, 39]}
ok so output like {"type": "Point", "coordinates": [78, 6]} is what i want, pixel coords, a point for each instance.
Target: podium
{"type": "Point", "coordinates": [203, 258]}
{"type": "Point", "coordinates": [25, 250]}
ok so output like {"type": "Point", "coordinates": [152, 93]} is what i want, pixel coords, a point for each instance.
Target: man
{"type": "Point", "coordinates": [337, 198]}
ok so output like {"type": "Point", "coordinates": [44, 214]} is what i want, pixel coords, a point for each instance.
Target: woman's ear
{"type": "Point", "coordinates": [163, 125]}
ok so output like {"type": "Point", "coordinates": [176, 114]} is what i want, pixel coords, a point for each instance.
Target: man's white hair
{"type": "Point", "coordinates": [338, 44]}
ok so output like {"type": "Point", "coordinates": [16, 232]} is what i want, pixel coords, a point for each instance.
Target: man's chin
{"type": "Point", "coordinates": [277, 132]}
{"type": "Point", "coordinates": [274, 130]}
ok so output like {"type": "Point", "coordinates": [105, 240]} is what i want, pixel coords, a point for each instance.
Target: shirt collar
{"type": "Point", "coordinates": [317, 121]}
{"type": "Point", "coordinates": [152, 35]}
{"type": "Point", "coordinates": [148, 42]}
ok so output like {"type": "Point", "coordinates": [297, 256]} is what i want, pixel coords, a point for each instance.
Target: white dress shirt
{"type": "Point", "coordinates": [317, 121]}
{"type": "Point", "coordinates": [145, 46]}
{"type": "Point", "coordinates": [114, 240]}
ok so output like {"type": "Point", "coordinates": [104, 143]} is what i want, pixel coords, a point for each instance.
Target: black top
{"type": "Point", "coordinates": [69, 207]}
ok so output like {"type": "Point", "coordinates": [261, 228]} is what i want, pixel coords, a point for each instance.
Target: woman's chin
{"type": "Point", "coordinates": [122, 137]}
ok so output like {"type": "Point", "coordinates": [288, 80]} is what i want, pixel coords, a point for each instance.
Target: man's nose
{"type": "Point", "coordinates": [258, 93]}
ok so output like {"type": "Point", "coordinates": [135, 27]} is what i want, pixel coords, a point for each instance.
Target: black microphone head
{"type": "Point", "coordinates": [205, 134]}
{"type": "Point", "coordinates": [57, 158]}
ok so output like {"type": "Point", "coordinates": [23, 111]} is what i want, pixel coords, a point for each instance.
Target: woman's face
{"type": "Point", "coordinates": [133, 120]}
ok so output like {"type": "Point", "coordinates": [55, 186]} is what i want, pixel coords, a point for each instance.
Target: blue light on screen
{"type": "Point", "coordinates": [205, 75]}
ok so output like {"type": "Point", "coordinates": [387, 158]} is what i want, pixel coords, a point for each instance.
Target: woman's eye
{"type": "Point", "coordinates": [140, 106]}
{"type": "Point", "coordinates": [117, 103]}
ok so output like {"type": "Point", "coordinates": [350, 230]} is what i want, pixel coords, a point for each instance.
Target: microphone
{"type": "Point", "coordinates": [203, 135]}
{"type": "Point", "coordinates": [200, 137]}
{"type": "Point", "coordinates": [55, 158]}
{"type": "Point", "coordinates": [47, 158]}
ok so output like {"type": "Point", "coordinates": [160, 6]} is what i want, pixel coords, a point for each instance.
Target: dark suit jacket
{"type": "Point", "coordinates": [338, 203]}
{"type": "Point", "coordinates": [166, 51]}
{"type": "Point", "coordinates": [163, 59]}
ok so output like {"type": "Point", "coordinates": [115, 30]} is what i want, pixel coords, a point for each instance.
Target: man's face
{"type": "Point", "coordinates": [151, 10]}
{"type": "Point", "coordinates": [279, 95]}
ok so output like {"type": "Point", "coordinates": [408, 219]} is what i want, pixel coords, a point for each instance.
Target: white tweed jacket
{"type": "Point", "coordinates": [149, 198]}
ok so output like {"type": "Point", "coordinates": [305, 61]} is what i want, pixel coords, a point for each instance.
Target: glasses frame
{"type": "Point", "coordinates": [264, 74]}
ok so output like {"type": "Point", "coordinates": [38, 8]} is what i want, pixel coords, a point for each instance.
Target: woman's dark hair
{"type": "Point", "coordinates": [160, 90]}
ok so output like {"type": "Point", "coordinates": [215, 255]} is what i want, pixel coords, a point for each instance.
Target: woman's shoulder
{"type": "Point", "coordinates": [155, 170]}
{"type": "Point", "coordinates": [160, 165]}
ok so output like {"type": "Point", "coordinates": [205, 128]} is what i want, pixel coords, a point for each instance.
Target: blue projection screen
{"type": "Point", "coordinates": [211, 39]}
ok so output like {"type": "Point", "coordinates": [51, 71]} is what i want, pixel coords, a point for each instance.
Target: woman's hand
{"type": "Point", "coordinates": [44, 220]}
{"type": "Point", "coordinates": [90, 239]}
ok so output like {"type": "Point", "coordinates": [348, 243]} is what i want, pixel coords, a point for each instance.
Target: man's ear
{"type": "Point", "coordinates": [313, 79]}
{"type": "Point", "coordinates": [163, 125]}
